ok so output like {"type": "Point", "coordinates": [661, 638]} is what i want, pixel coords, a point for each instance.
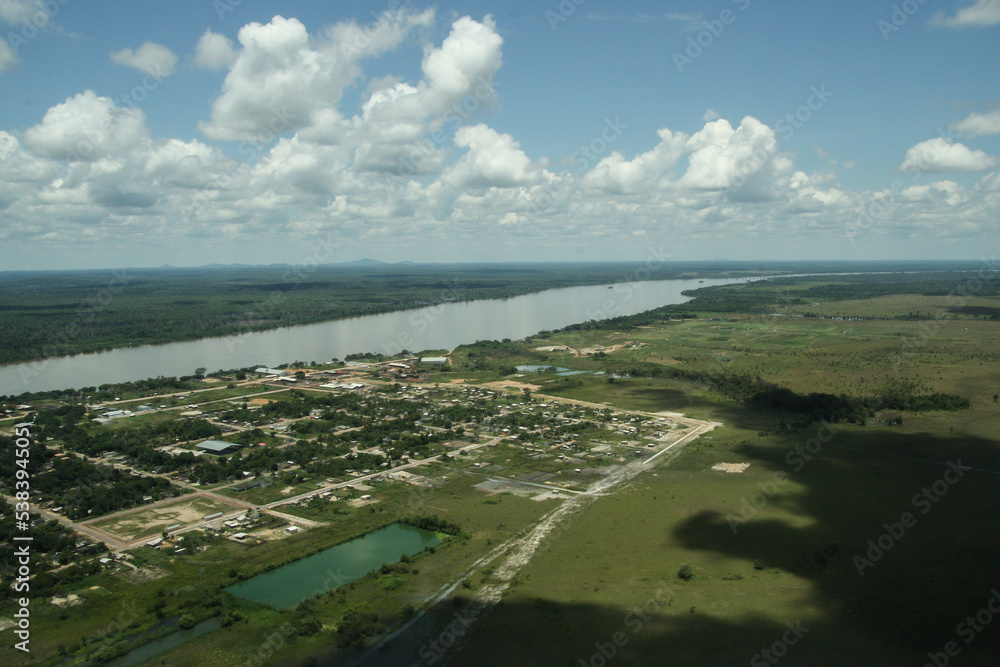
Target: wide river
{"type": "Point", "coordinates": [438, 327]}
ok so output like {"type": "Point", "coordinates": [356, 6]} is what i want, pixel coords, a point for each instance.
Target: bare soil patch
{"type": "Point", "coordinates": [511, 384]}
{"type": "Point", "coordinates": [731, 467]}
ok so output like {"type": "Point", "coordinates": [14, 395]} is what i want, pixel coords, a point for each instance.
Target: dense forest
{"type": "Point", "coordinates": [84, 489]}
{"type": "Point", "coordinates": [773, 295]}
{"type": "Point", "coordinates": [757, 393]}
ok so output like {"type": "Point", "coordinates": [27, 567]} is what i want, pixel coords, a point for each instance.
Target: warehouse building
{"type": "Point", "coordinates": [218, 447]}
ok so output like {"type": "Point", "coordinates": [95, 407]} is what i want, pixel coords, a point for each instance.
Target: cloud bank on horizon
{"type": "Point", "coordinates": [301, 144]}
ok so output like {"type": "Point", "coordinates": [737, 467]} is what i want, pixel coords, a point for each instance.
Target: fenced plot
{"type": "Point", "coordinates": [152, 521]}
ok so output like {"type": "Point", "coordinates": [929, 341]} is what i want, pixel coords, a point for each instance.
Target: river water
{"type": "Point", "coordinates": [442, 326]}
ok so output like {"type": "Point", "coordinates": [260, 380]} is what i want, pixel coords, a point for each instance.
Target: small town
{"type": "Point", "coordinates": [345, 440]}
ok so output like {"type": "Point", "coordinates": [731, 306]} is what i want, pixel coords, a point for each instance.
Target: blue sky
{"type": "Point", "coordinates": [192, 132]}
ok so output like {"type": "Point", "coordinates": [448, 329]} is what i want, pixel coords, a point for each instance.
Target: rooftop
{"type": "Point", "coordinates": [217, 446]}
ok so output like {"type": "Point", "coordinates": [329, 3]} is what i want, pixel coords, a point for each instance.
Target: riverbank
{"type": "Point", "coordinates": [433, 327]}
{"type": "Point", "coordinates": [49, 314]}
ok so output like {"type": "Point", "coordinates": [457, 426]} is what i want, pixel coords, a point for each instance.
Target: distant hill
{"type": "Point", "coordinates": [363, 262]}
{"type": "Point", "coordinates": [237, 265]}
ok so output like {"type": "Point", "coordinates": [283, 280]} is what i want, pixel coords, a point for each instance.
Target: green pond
{"type": "Point", "coordinates": [539, 368]}
{"type": "Point", "coordinates": [173, 640]}
{"type": "Point", "coordinates": [296, 582]}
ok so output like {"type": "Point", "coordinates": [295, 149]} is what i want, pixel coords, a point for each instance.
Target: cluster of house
{"type": "Point", "coordinates": [347, 386]}
{"type": "Point", "coordinates": [120, 557]}
{"type": "Point", "coordinates": [400, 370]}
{"type": "Point", "coordinates": [404, 369]}
{"type": "Point", "coordinates": [239, 524]}
{"type": "Point", "coordinates": [168, 542]}
{"type": "Point", "coordinates": [13, 410]}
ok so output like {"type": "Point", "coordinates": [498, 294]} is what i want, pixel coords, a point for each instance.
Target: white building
{"type": "Point", "coordinates": [276, 372]}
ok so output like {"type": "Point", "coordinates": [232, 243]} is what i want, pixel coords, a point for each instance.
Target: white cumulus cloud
{"type": "Point", "coordinates": [214, 51]}
{"type": "Point", "coordinates": [391, 131]}
{"type": "Point", "coordinates": [283, 80]}
{"type": "Point", "coordinates": [978, 124]}
{"type": "Point", "coordinates": [150, 58]}
{"type": "Point", "coordinates": [939, 155]}
{"type": "Point", "coordinates": [460, 70]}
{"type": "Point", "coordinates": [8, 58]}
{"type": "Point", "coordinates": [723, 158]}
{"type": "Point", "coordinates": [15, 11]}
{"type": "Point", "coordinates": [981, 13]}
{"type": "Point", "coordinates": [493, 160]}
{"type": "Point", "coordinates": [86, 127]}
{"type": "Point", "coordinates": [644, 172]}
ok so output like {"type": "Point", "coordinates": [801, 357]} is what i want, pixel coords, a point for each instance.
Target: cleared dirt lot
{"type": "Point", "coordinates": [151, 522]}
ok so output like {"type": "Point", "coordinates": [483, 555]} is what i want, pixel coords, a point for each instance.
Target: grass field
{"type": "Point", "coordinates": [765, 549]}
